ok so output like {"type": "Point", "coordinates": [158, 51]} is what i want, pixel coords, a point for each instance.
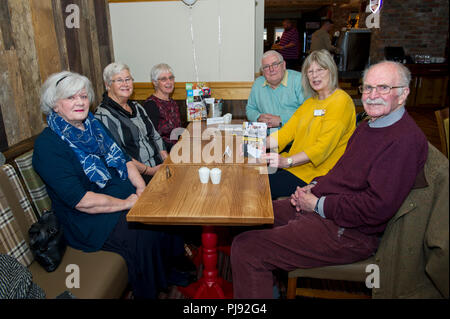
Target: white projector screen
{"type": "Point", "coordinates": [148, 33]}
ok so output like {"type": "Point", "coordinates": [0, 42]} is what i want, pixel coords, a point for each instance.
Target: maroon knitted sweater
{"type": "Point", "coordinates": [371, 180]}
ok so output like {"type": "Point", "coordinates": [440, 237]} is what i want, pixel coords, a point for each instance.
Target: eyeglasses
{"type": "Point", "coordinates": [320, 71]}
{"type": "Point", "coordinates": [170, 78]}
{"type": "Point", "coordinates": [122, 81]}
{"type": "Point", "coordinates": [274, 66]}
{"type": "Point", "coordinates": [382, 89]}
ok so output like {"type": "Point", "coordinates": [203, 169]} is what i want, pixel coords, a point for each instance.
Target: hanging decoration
{"type": "Point", "coordinates": [219, 39]}
{"type": "Point", "coordinates": [194, 54]}
{"type": "Point", "coordinates": [189, 2]}
{"type": "Point", "coordinates": [193, 43]}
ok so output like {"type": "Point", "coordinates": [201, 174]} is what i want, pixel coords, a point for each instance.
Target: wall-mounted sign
{"type": "Point", "coordinates": [375, 5]}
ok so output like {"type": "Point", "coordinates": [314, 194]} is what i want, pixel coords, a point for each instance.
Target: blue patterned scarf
{"type": "Point", "coordinates": [89, 146]}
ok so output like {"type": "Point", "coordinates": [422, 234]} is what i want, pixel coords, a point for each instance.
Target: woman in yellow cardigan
{"type": "Point", "coordinates": [319, 130]}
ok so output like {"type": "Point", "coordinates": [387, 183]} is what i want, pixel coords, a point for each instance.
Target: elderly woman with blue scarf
{"type": "Point", "coordinates": [92, 184]}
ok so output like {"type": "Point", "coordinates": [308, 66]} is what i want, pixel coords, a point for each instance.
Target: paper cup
{"type": "Point", "coordinates": [227, 118]}
{"type": "Point", "coordinates": [215, 175]}
{"type": "Point", "coordinates": [203, 173]}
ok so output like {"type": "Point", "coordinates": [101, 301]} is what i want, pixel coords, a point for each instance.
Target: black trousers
{"type": "Point", "coordinates": [147, 251]}
{"type": "Point", "coordinates": [284, 183]}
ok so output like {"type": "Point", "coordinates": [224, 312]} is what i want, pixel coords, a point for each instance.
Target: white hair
{"type": "Point", "coordinates": [61, 86]}
{"type": "Point", "coordinates": [272, 52]}
{"type": "Point", "coordinates": [113, 69]}
{"type": "Point", "coordinates": [158, 69]}
{"type": "Point", "coordinates": [402, 71]}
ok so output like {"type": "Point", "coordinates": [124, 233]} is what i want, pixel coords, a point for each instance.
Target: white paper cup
{"type": "Point", "coordinates": [227, 118]}
{"type": "Point", "coordinates": [215, 175]}
{"type": "Point", "coordinates": [203, 173]}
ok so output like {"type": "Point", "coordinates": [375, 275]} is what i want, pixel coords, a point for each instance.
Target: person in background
{"type": "Point", "coordinates": [319, 130]}
{"type": "Point", "coordinates": [128, 122]}
{"type": "Point", "coordinates": [339, 218]}
{"type": "Point", "coordinates": [163, 111]}
{"type": "Point", "coordinates": [320, 39]}
{"type": "Point", "coordinates": [277, 94]}
{"type": "Point", "coordinates": [289, 45]}
{"type": "Point", "coordinates": [92, 184]}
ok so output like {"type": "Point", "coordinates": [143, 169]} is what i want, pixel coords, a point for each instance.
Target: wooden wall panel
{"type": "Point", "coordinates": [34, 43]}
{"type": "Point", "coordinates": [45, 38]}
{"type": "Point", "coordinates": [84, 39]}
{"type": "Point", "coordinates": [4, 25]}
{"type": "Point", "coordinates": [95, 60]}
{"type": "Point", "coordinates": [104, 32]}
{"type": "Point", "coordinates": [59, 22]}
{"type": "Point", "coordinates": [3, 139]}
{"type": "Point", "coordinates": [220, 90]}
{"type": "Point", "coordinates": [27, 80]}
{"type": "Point", "coordinates": [72, 42]}
{"type": "Point", "coordinates": [12, 99]}
{"type": "Point", "coordinates": [7, 41]}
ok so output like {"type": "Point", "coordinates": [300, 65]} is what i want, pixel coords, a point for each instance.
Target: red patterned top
{"type": "Point", "coordinates": [164, 115]}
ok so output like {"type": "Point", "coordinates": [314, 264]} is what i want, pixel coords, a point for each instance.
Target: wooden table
{"type": "Point", "coordinates": [175, 196]}
{"type": "Point", "coordinates": [195, 151]}
{"type": "Point", "coordinates": [206, 144]}
{"type": "Point", "coordinates": [241, 198]}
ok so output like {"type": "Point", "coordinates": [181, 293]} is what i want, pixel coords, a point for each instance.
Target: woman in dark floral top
{"type": "Point", "coordinates": [163, 111]}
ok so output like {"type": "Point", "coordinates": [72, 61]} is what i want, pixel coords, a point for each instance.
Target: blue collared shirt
{"type": "Point", "coordinates": [282, 101]}
{"type": "Point", "coordinates": [389, 119]}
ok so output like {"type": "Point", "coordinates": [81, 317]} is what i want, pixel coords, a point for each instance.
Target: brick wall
{"type": "Point", "coordinates": [419, 26]}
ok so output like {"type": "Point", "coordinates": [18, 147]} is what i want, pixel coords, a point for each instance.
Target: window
{"type": "Point", "coordinates": [278, 33]}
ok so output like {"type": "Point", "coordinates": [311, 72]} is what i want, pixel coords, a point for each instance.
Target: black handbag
{"type": "Point", "coordinates": [47, 241]}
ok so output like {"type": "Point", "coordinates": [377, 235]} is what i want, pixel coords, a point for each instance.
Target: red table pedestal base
{"type": "Point", "coordinates": [220, 289]}
{"type": "Point", "coordinates": [210, 286]}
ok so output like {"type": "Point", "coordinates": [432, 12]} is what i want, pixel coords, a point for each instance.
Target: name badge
{"type": "Point", "coordinates": [319, 112]}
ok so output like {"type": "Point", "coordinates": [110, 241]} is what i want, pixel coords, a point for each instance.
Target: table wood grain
{"type": "Point", "coordinates": [242, 197]}
{"type": "Point", "coordinates": [196, 151]}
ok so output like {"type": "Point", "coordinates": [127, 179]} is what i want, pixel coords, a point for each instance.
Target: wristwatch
{"type": "Point", "coordinates": [290, 161]}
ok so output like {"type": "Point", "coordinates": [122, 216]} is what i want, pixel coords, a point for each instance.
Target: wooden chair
{"type": "Point", "coordinates": [406, 259]}
{"type": "Point", "coordinates": [442, 122]}
{"type": "Point", "coordinates": [355, 272]}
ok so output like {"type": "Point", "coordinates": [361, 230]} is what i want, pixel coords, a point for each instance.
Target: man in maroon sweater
{"type": "Point", "coordinates": [339, 218]}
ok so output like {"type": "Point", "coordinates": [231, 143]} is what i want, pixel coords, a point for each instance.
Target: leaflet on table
{"type": "Point", "coordinates": [196, 111]}
{"type": "Point", "coordinates": [196, 106]}
{"type": "Point", "coordinates": [254, 138]}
